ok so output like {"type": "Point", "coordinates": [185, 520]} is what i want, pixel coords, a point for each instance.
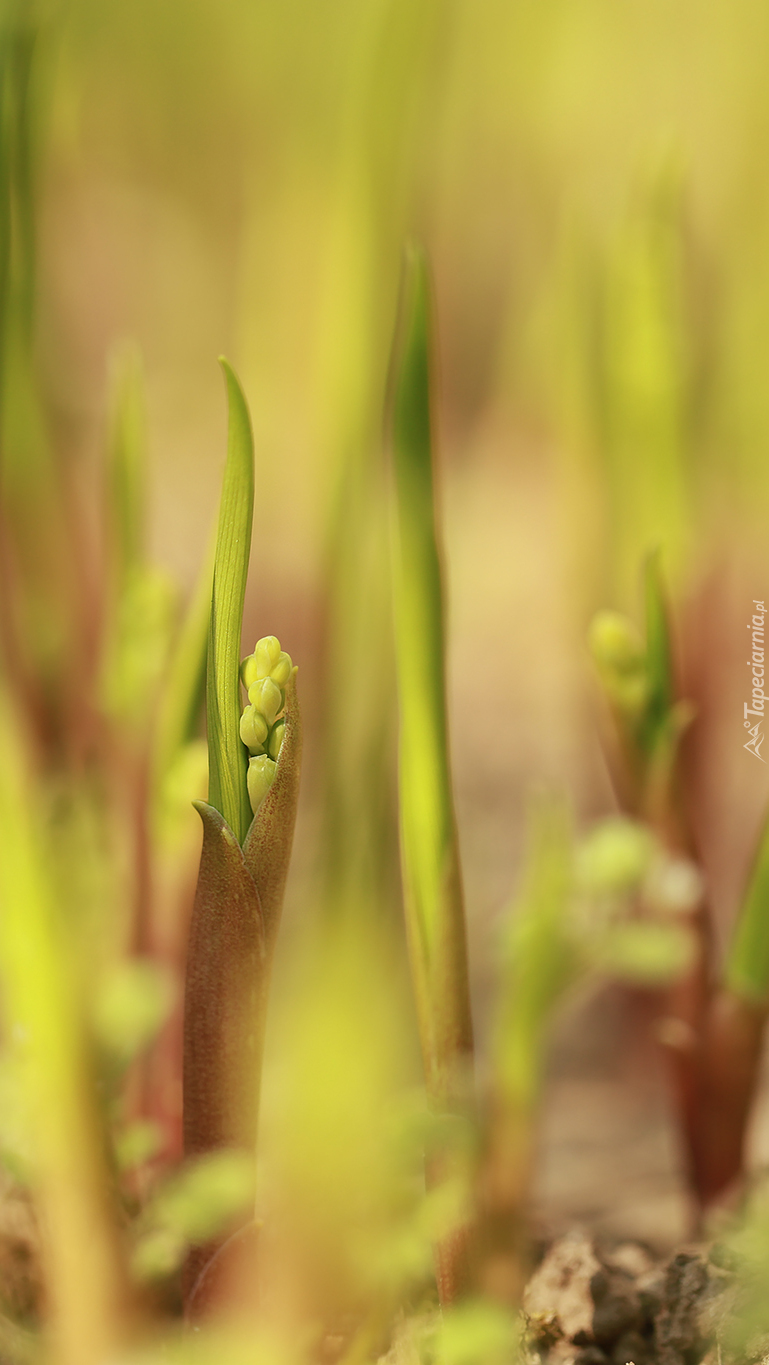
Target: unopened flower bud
{"type": "Point", "coordinates": [253, 729]}
{"type": "Point", "coordinates": [619, 654]}
{"type": "Point", "coordinates": [276, 739]}
{"type": "Point", "coordinates": [248, 672]}
{"type": "Point", "coordinates": [614, 856]}
{"type": "Point", "coordinates": [261, 772]}
{"type": "Point", "coordinates": [266, 696]}
{"type": "Point", "coordinates": [266, 653]}
{"type": "Point", "coordinates": [281, 671]}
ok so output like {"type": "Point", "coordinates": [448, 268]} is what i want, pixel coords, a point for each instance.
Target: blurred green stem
{"type": "Point", "coordinates": [429, 847]}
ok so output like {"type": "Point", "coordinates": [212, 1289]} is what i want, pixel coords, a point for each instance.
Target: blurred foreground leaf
{"type": "Point", "coordinates": [133, 1000]}
{"type": "Point", "coordinates": [432, 883]}
{"type": "Point", "coordinates": [45, 1025]}
{"type": "Point", "coordinates": [429, 847]}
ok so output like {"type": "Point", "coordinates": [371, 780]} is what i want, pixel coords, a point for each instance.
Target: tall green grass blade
{"type": "Point", "coordinates": [658, 646]}
{"type": "Point", "coordinates": [646, 381]}
{"type": "Point", "coordinates": [747, 965]}
{"type": "Point", "coordinates": [429, 848]}
{"type": "Point", "coordinates": [19, 39]}
{"type": "Point", "coordinates": [142, 602]}
{"type": "Point", "coordinates": [227, 759]}
{"type": "Point", "coordinates": [359, 837]}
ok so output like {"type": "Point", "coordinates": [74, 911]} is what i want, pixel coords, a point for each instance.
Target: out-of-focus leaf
{"type": "Point", "coordinates": [747, 963]}
{"type": "Point", "coordinates": [127, 462]}
{"type": "Point", "coordinates": [185, 781]}
{"type": "Point", "coordinates": [217, 1345]}
{"type": "Point", "coordinates": [45, 1027]}
{"type": "Point", "coordinates": [16, 1129]}
{"type": "Point", "coordinates": [614, 856]}
{"type": "Point", "coordinates": [659, 657]}
{"type": "Point", "coordinates": [184, 684]}
{"type": "Point", "coordinates": [478, 1330]}
{"type": "Point", "coordinates": [651, 954]}
{"type": "Point", "coordinates": [432, 881]}
{"type": "Point", "coordinates": [143, 599]}
{"type": "Point", "coordinates": [539, 957]}
{"type": "Point", "coordinates": [138, 1142]}
{"type": "Point", "coordinates": [747, 1250]}
{"type": "Point", "coordinates": [138, 649]}
{"type": "Point", "coordinates": [131, 1003]}
{"type": "Point", "coordinates": [227, 762]}
{"type": "Point", "coordinates": [201, 1200]}
{"type": "Point", "coordinates": [645, 377]}
{"type": "Point", "coordinates": [429, 847]}
{"type": "Point", "coordinates": [157, 1253]}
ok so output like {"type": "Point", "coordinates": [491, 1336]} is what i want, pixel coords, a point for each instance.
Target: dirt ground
{"type": "Point", "coordinates": [608, 1156]}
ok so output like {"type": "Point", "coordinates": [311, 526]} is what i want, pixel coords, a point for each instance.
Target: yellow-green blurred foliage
{"type": "Point", "coordinates": [588, 179]}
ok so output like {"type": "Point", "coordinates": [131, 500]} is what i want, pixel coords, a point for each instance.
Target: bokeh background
{"type": "Point", "coordinates": [589, 180]}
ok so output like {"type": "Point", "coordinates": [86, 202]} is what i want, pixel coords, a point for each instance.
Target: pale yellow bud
{"type": "Point", "coordinates": [614, 855]}
{"type": "Point", "coordinates": [266, 696]}
{"type": "Point", "coordinates": [619, 653]}
{"type": "Point", "coordinates": [253, 729]}
{"type": "Point", "coordinates": [266, 653]}
{"type": "Point", "coordinates": [281, 671]}
{"type": "Point", "coordinates": [261, 772]}
{"type": "Point", "coordinates": [248, 673]}
{"type": "Point", "coordinates": [276, 739]}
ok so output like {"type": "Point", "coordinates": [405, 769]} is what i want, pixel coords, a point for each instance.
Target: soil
{"type": "Point", "coordinates": [629, 1285]}
{"type": "Point", "coordinates": [590, 1303]}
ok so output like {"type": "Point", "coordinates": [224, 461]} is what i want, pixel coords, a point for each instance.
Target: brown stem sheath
{"type": "Point", "coordinates": [731, 1054]}
{"type": "Point", "coordinates": [233, 931]}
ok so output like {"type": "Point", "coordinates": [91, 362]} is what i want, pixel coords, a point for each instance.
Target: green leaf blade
{"type": "Point", "coordinates": [425, 783]}
{"type": "Point", "coordinates": [429, 845]}
{"type": "Point", "coordinates": [659, 652]}
{"type": "Point", "coordinates": [747, 964]}
{"type": "Point", "coordinates": [227, 757]}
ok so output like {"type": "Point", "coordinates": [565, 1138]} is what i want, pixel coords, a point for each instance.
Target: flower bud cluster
{"type": "Point", "coordinates": [620, 656]}
{"type": "Point", "coordinates": [264, 675]}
